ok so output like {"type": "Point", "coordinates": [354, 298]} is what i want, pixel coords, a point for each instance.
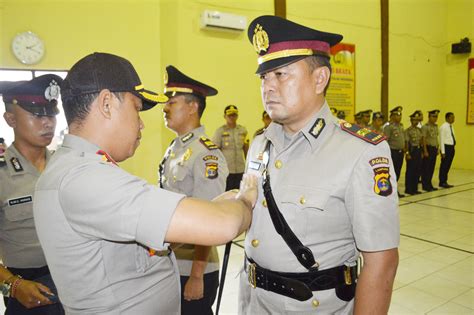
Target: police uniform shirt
{"type": "Point", "coordinates": [430, 132]}
{"type": "Point", "coordinates": [231, 141]}
{"type": "Point", "coordinates": [413, 136]}
{"type": "Point", "coordinates": [96, 222]}
{"type": "Point", "coordinates": [395, 136]}
{"type": "Point", "coordinates": [19, 244]}
{"type": "Point", "coordinates": [327, 186]}
{"type": "Point", "coordinates": [195, 167]}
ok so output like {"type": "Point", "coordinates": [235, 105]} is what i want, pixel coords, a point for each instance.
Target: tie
{"type": "Point", "coordinates": [452, 134]}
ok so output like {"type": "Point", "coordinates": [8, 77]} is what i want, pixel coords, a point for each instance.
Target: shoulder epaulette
{"type": "Point", "coordinates": [362, 132]}
{"type": "Point", "coordinates": [3, 162]}
{"type": "Point", "coordinates": [208, 143]}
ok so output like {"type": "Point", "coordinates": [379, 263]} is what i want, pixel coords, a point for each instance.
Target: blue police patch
{"type": "Point", "coordinates": [211, 170]}
{"type": "Point", "coordinates": [382, 185]}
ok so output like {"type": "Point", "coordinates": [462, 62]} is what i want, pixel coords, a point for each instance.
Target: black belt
{"type": "Point", "coordinates": [299, 286]}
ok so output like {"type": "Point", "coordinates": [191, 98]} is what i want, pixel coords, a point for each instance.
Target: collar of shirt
{"type": "Point", "coordinates": [79, 144]}
{"type": "Point", "coordinates": [193, 134]}
{"type": "Point", "coordinates": [12, 152]}
{"type": "Point", "coordinates": [276, 135]}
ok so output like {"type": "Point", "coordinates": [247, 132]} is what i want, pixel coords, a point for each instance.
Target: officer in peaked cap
{"type": "Point", "coordinates": [318, 207]}
{"type": "Point", "coordinates": [414, 139]}
{"type": "Point", "coordinates": [430, 150]}
{"type": "Point", "coordinates": [377, 122]}
{"type": "Point", "coordinates": [358, 119]}
{"type": "Point", "coordinates": [232, 139]}
{"type": "Point", "coordinates": [395, 134]}
{"type": "Point", "coordinates": [193, 166]}
{"type": "Point", "coordinates": [365, 117]}
{"type": "Point", "coordinates": [31, 109]}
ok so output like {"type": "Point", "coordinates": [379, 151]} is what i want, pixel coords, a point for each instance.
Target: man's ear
{"type": "Point", "coordinates": [10, 119]}
{"type": "Point", "coordinates": [193, 107]}
{"type": "Point", "coordinates": [104, 103]}
{"type": "Point", "coordinates": [321, 76]}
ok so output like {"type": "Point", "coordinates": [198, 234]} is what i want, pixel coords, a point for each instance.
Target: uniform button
{"type": "Point", "coordinates": [255, 243]}
{"type": "Point", "coordinates": [302, 200]}
{"type": "Point", "coordinates": [174, 178]}
{"type": "Point", "coordinates": [315, 303]}
{"type": "Point", "coordinates": [278, 164]}
{"type": "Point", "coordinates": [264, 203]}
{"type": "Point", "coordinates": [172, 155]}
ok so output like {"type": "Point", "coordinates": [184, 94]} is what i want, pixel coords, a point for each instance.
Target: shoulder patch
{"type": "Point", "coordinates": [208, 143]}
{"type": "Point", "coordinates": [362, 132]}
{"type": "Point", "coordinates": [3, 162]}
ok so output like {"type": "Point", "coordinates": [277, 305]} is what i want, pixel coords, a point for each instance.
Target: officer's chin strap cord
{"type": "Point", "coordinates": [302, 253]}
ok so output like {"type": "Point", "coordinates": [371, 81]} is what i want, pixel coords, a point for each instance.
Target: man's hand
{"type": "Point", "coordinates": [248, 190]}
{"type": "Point", "coordinates": [194, 288]}
{"type": "Point", "coordinates": [32, 294]}
{"type": "Point", "coordinates": [226, 195]}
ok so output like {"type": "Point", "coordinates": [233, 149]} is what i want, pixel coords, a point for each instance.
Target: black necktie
{"type": "Point", "coordinates": [452, 134]}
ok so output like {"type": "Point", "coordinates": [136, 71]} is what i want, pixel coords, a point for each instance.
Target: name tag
{"type": "Point", "coordinates": [17, 201]}
{"type": "Point", "coordinates": [254, 165]}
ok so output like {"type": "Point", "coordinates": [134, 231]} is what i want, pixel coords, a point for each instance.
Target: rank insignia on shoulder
{"type": "Point", "coordinates": [187, 137]}
{"type": "Point", "coordinates": [382, 185]}
{"type": "Point", "coordinates": [361, 132]}
{"type": "Point", "coordinates": [208, 143]}
{"type": "Point", "coordinates": [317, 128]}
{"type": "Point", "coordinates": [3, 162]}
{"type": "Point", "coordinates": [211, 170]}
{"type": "Point", "coordinates": [210, 157]}
{"type": "Point", "coordinates": [16, 164]}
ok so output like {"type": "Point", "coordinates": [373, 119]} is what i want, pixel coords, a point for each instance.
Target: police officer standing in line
{"type": "Point", "coordinates": [232, 139]}
{"type": "Point", "coordinates": [414, 138]}
{"type": "Point", "coordinates": [358, 119]}
{"type": "Point", "coordinates": [365, 117]}
{"type": "Point", "coordinates": [266, 121]}
{"type": "Point", "coordinates": [319, 207]}
{"type": "Point", "coordinates": [396, 140]}
{"type": "Point", "coordinates": [430, 150]}
{"type": "Point", "coordinates": [31, 109]}
{"type": "Point", "coordinates": [447, 141]}
{"type": "Point", "coordinates": [195, 167]}
{"type": "Point", "coordinates": [377, 122]}
{"type": "Point", "coordinates": [106, 233]}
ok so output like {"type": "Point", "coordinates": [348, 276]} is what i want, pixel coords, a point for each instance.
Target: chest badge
{"type": "Point", "coordinates": [187, 154]}
{"type": "Point", "coordinates": [16, 164]}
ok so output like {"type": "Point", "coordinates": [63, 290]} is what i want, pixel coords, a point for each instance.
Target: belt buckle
{"type": "Point", "coordinates": [252, 275]}
{"type": "Point", "coordinates": [347, 275]}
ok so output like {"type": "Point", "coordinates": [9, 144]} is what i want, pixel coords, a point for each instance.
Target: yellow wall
{"type": "Point", "coordinates": [155, 33]}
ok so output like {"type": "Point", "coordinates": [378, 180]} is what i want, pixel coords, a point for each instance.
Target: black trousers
{"type": "Point", "coordinates": [43, 276]}
{"type": "Point", "coordinates": [233, 181]}
{"type": "Point", "coordinates": [428, 167]}
{"type": "Point", "coordinates": [204, 305]}
{"type": "Point", "coordinates": [413, 170]}
{"type": "Point", "coordinates": [397, 158]}
{"type": "Point", "coordinates": [446, 163]}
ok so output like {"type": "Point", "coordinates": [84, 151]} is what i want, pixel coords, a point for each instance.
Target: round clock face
{"type": "Point", "coordinates": [28, 48]}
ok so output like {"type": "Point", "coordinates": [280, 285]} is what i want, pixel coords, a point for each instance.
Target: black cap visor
{"type": "Point", "coordinates": [50, 110]}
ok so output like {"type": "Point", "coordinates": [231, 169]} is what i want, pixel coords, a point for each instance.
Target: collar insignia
{"type": "Point", "coordinates": [16, 164]}
{"type": "Point", "coordinates": [187, 137]}
{"type": "Point", "coordinates": [318, 126]}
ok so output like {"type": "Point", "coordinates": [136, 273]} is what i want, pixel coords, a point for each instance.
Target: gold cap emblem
{"type": "Point", "coordinates": [260, 39]}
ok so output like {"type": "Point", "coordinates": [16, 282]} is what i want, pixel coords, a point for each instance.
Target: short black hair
{"type": "Point", "coordinates": [448, 114]}
{"type": "Point", "coordinates": [76, 108]}
{"type": "Point", "coordinates": [317, 61]}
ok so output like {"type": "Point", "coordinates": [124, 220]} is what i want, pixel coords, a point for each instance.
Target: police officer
{"type": "Point", "coordinates": [266, 121]}
{"type": "Point", "coordinates": [195, 167]}
{"type": "Point", "coordinates": [31, 109]}
{"type": "Point", "coordinates": [396, 140]}
{"type": "Point", "coordinates": [377, 122]}
{"type": "Point", "coordinates": [105, 233]}
{"type": "Point", "coordinates": [319, 206]}
{"type": "Point", "coordinates": [414, 138]}
{"type": "Point", "coordinates": [232, 139]}
{"type": "Point", "coordinates": [365, 117]}
{"type": "Point", "coordinates": [430, 149]}
{"type": "Point", "coordinates": [358, 119]}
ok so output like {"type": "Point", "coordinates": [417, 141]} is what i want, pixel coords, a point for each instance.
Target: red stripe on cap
{"type": "Point", "coordinates": [37, 99]}
{"type": "Point", "coordinates": [196, 89]}
{"type": "Point", "coordinates": [298, 44]}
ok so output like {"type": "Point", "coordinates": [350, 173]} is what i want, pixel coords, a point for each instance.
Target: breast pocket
{"type": "Point", "coordinates": [179, 173]}
{"type": "Point", "coordinates": [19, 209]}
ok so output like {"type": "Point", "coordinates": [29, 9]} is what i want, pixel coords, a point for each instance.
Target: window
{"type": "Point", "coordinates": [16, 75]}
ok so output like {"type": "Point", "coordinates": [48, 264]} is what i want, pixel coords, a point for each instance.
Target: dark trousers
{"type": "Point", "coordinates": [397, 158]}
{"type": "Point", "coordinates": [43, 276]}
{"type": "Point", "coordinates": [233, 181]}
{"type": "Point", "coordinates": [413, 170]}
{"type": "Point", "coordinates": [428, 167]}
{"type": "Point", "coordinates": [204, 305]}
{"type": "Point", "coordinates": [446, 163]}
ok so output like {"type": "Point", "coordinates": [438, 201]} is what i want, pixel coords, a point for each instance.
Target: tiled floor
{"type": "Point", "coordinates": [436, 270]}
